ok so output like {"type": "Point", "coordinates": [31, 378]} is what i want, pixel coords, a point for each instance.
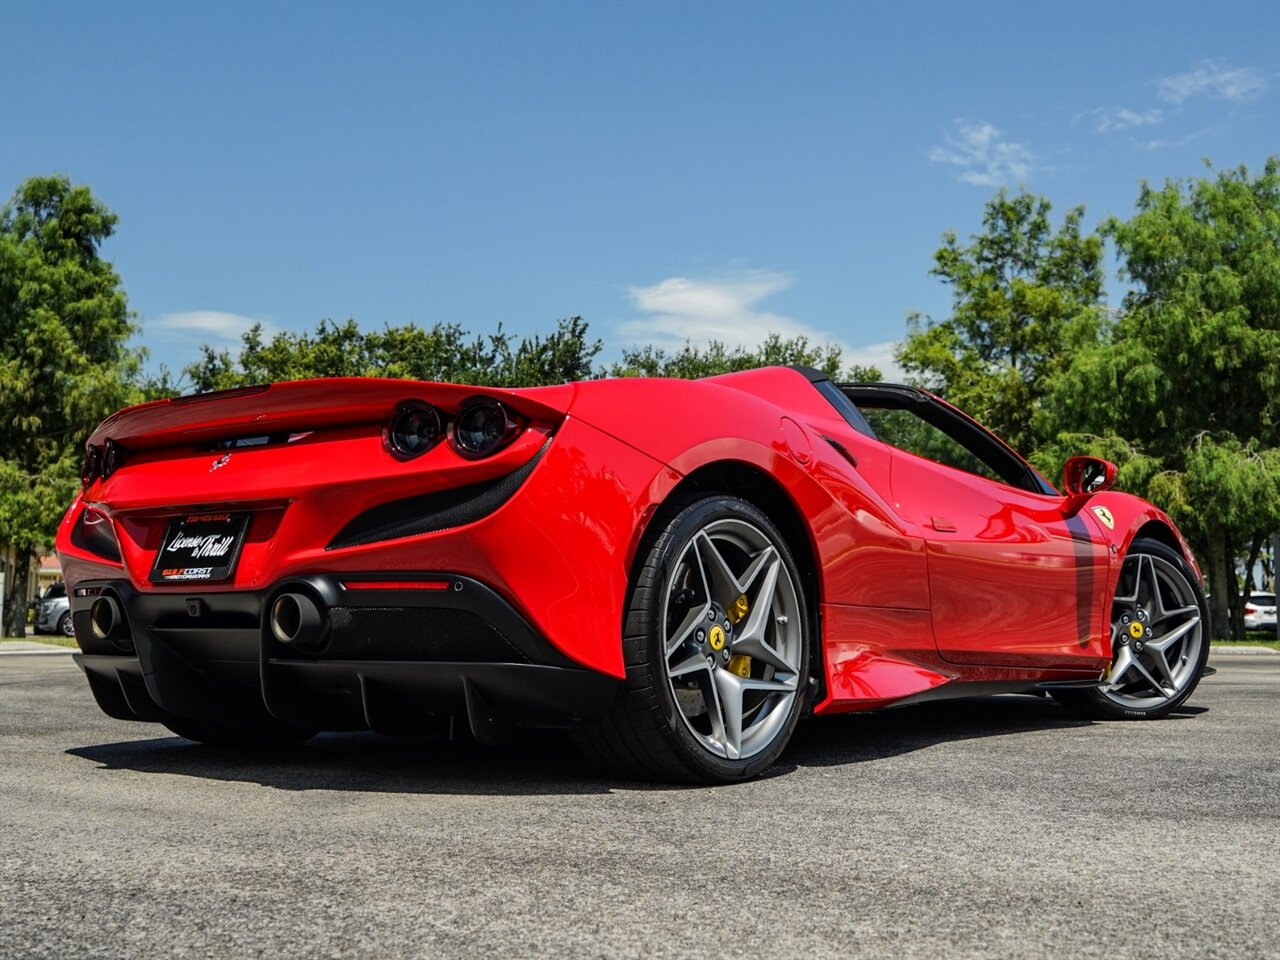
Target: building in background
{"type": "Point", "coordinates": [49, 571]}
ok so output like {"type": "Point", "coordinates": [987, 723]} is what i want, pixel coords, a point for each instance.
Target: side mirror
{"type": "Point", "coordinates": [1088, 475]}
{"type": "Point", "coordinates": [1082, 477]}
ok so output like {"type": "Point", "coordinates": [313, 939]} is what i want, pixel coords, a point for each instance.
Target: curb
{"type": "Point", "coordinates": [1234, 651]}
{"type": "Point", "coordinates": [31, 648]}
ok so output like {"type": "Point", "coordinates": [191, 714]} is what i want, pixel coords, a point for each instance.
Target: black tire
{"type": "Point", "coordinates": [1173, 582]}
{"type": "Point", "coordinates": [654, 732]}
{"type": "Point", "coordinates": [241, 736]}
{"type": "Point", "coordinates": [65, 626]}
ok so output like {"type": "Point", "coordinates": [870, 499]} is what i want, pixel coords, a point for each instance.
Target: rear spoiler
{"type": "Point", "coordinates": [304, 405]}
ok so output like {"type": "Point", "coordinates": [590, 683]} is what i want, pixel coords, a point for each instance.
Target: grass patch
{"type": "Point", "coordinates": [56, 640]}
{"type": "Point", "coordinates": [1264, 640]}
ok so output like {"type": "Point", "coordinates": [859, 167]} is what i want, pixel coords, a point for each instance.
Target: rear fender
{"type": "Point", "coordinates": [863, 551]}
{"type": "Point", "coordinates": [690, 415]}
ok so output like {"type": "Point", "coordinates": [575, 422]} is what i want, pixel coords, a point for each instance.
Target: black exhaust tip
{"type": "Point", "coordinates": [296, 619]}
{"type": "Point", "coordinates": [107, 622]}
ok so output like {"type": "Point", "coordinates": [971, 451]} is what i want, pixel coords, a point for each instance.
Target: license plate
{"type": "Point", "coordinates": [200, 546]}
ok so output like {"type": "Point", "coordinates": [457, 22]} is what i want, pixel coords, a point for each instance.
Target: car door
{"type": "Point", "coordinates": [1012, 581]}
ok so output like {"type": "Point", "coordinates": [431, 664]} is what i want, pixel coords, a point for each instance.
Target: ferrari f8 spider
{"type": "Point", "coordinates": [677, 571]}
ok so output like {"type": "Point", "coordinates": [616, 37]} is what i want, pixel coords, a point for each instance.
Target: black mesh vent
{"type": "Point", "coordinates": [434, 511]}
{"type": "Point", "coordinates": [94, 538]}
{"type": "Point", "coordinates": [416, 633]}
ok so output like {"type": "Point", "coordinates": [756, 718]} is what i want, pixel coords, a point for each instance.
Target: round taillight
{"type": "Point", "coordinates": [112, 458]}
{"type": "Point", "coordinates": [92, 460]}
{"type": "Point", "coordinates": [414, 429]}
{"type": "Point", "coordinates": [483, 427]}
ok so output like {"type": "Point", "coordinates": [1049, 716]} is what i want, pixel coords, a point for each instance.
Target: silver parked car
{"type": "Point", "coordinates": [53, 611]}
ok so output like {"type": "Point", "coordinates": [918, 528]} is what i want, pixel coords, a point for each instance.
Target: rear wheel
{"type": "Point", "coordinates": [716, 641]}
{"type": "Point", "coordinates": [1159, 639]}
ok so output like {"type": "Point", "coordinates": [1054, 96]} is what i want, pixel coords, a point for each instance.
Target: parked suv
{"type": "Point", "coordinates": [53, 611]}
{"type": "Point", "coordinates": [1260, 611]}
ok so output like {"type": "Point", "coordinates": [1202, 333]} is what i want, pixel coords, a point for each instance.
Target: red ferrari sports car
{"type": "Point", "coordinates": [677, 571]}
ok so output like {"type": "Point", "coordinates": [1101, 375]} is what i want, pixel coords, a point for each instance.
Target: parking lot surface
{"type": "Point", "coordinates": [987, 828]}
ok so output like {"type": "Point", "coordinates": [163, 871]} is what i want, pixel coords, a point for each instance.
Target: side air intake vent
{"type": "Point", "coordinates": [433, 511]}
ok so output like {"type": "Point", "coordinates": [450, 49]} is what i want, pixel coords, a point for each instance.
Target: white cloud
{"type": "Point", "coordinates": [1161, 144]}
{"type": "Point", "coordinates": [1112, 119]}
{"type": "Point", "coordinates": [720, 308]}
{"type": "Point", "coordinates": [215, 326]}
{"type": "Point", "coordinates": [1215, 79]}
{"type": "Point", "coordinates": [879, 355]}
{"type": "Point", "coordinates": [727, 308]}
{"type": "Point", "coordinates": [985, 157]}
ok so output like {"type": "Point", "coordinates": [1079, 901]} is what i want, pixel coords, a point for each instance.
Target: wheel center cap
{"type": "Point", "coordinates": [716, 638]}
{"type": "Point", "coordinates": [1136, 630]}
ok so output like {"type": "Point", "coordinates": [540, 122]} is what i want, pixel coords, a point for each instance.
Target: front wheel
{"type": "Point", "coordinates": [1159, 639]}
{"type": "Point", "coordinates": [65, 626]}
{"type": "Point", "coordinates": [716, 641]}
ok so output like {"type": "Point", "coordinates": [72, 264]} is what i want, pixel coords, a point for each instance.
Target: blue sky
{"type": "Point", "coordinates": [665, 170]}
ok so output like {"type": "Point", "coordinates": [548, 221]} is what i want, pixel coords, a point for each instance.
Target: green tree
{"type": "Point", "coordinates": [64, 366]}
{"type": "Point", "coordinates": [447, 352]}
{"type": "Point", "coordinates": [690, 362]}
{"type": "Point", "coordinates": [1025, 296]}
{"type": "Point", "coordinates": [443, 352]}
{"type": "Point", "coordinates": [1188, 378]}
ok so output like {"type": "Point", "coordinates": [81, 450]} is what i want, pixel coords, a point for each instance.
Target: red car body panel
{"type": "Point", "coordinates": [567, 520]}
{"type": "Point", "coordinates": [1011, 580]}
{"type": "Point", "coordinates": [925, 576]}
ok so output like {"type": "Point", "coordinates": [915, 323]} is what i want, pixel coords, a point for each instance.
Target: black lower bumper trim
{"type": "Point", "coordinates": [1090, 683]}
{"type": "Point", "coordinates": [387, 697]}
{"type": "Point", "coordinates": [392, 697]}
{"type": "Point", "coordinates": [391, 657]}
{"type": "Point", "coordinates": [963, 689]}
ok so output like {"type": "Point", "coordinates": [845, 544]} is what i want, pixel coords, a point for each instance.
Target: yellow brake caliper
{"type": "Point", "coordinates": [739, 664]}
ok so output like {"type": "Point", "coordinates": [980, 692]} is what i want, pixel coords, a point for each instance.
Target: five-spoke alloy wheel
{"type": "Point", "coordinates": [1159, 638]}
{"type": "Point", "coordinates": [716, 638]}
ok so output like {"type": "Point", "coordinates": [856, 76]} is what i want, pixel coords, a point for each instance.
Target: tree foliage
{"type": "Point", "coordinates": [64, 366]}
{"type": "Point", "coordinates": [1024, 297]}
{"type": "Point", "coordinates": [447, 352]}
{"type": "Point", "coordinates": [691, 362]}
{"type": "Point", "coordinates": [444, 352]}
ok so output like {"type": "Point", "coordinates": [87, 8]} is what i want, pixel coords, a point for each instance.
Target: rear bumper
{"type": "Point", "coordinates": [402, 654]}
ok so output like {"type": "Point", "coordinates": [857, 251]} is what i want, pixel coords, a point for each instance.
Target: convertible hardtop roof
{"type": "Point", "coordinates": [934, 410]}
{"type": "Point", "coordinates": [900, 390]}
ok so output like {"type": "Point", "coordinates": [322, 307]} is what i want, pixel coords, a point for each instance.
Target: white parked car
{"type": "Point", "coordinates": [1260, 611]}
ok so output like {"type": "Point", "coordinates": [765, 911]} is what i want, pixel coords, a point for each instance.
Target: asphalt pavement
{"type": "Point", "coordinates": [988, 828]}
